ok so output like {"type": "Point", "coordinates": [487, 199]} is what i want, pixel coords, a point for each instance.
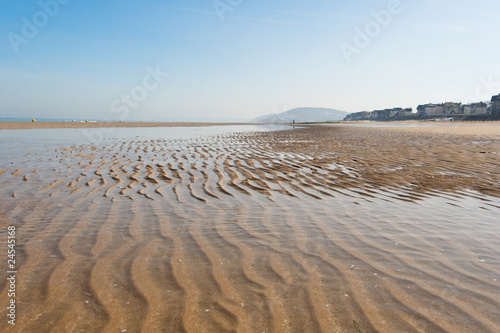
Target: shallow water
{"type": "Point", "coordinates": [15, 144]}
{"type": "Point", "coordinates": [291, 231]}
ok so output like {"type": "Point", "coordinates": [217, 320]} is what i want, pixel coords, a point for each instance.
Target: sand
{"type": "Point", "coordinates": [319, 229]}
{"type": "Point", "coordinates": [491, 129]}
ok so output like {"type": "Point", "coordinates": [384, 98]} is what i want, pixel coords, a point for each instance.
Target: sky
{"type": "Point", "coordinates": [215, 60]}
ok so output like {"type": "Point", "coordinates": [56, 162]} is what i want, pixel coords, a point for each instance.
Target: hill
{"type": "Point", "coordinates": [302, 115]}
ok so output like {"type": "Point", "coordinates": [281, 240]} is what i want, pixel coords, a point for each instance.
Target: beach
{"type": "Point", "coordinates": [317, 228]}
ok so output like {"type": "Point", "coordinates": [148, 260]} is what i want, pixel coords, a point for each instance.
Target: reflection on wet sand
{"type": "Point", "coordinates": [319, 229]}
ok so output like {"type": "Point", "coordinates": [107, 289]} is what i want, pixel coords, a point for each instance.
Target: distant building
{"type": "Point", "coordinates": [495, 104]}
{"type": "Point", "coordinates": [381, 114]}
{"type": "Point", "coordinates": [378, 114]}
{"type": "Point", "coordinates": [400, 112]}
{"type": "Point", "coordinates": [430, 110]}
{"type": "Point", "coordinates": [363, 115]}
{"type": "Point", "coordinates": [466, 109]}
{"type": "Point", "coordinates": [451, 108]}
{"type": "Point", "coordinates": [475, 109]}
{"type": "Point", "coordinates": [479, 108]}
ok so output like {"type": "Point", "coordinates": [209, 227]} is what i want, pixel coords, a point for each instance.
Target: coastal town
{"type": "Point", "coordinates": [449, 110]}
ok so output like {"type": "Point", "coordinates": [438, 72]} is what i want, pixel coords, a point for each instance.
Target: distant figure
{"type": "Point", "coordinates": [293, 121]}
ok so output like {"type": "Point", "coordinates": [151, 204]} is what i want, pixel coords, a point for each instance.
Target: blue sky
{"type": "Point", "coordinates": [239, 59]}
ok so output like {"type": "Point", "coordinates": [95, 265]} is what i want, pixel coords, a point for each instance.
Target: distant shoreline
{"type": "Point", "coordinates": [8, 125]}
{"type": "Point", "coordinates": [489, 128]}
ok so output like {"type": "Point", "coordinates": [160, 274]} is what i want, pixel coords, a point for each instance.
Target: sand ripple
{"type": "Point", "coordinates": [313, 230]}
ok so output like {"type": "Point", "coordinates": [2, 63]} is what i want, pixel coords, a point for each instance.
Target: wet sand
{"type": "Point", "coordinates": [317, 229]}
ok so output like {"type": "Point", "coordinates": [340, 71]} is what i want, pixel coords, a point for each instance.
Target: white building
{"type": "Point", "coordinates": [430, 110]}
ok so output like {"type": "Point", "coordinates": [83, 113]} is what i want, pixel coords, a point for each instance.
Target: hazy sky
{"type": "Point", "coordinates": [241, 58]}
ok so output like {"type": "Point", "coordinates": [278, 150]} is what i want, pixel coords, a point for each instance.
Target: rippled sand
{"type": "Point", "coordinates": [319, 229]}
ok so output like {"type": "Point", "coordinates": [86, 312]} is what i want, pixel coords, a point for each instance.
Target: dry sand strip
{"type": "Point", "coordinates": [7, 125]}
{"type": "Point", "coordinates": [453, 128]}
